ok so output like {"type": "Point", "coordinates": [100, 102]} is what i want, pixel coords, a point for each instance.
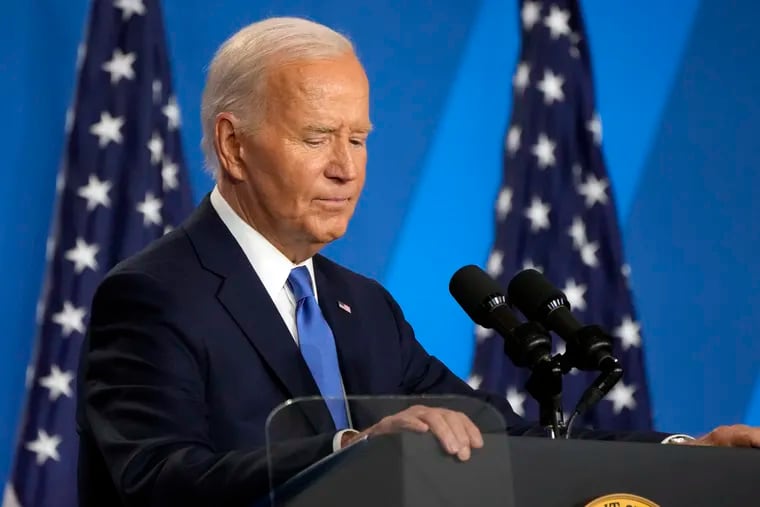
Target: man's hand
{"type": "Point", "coordinates": [454, 430]}
{"type": "Point", "coordinates": [738, 435]}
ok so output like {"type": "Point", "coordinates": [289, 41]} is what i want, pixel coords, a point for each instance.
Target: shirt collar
{"type": "Point", "coordinates": [271, 265]}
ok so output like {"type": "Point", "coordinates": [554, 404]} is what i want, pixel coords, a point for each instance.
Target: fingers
{"type": "Point", "coordinates": [745, 436]}
{"type": "Point", "coordinates": [440, 427]}
{"type": "Point", "coordinates": [454, 430]}
{"type": "Point", "coordinates": [476, 438]}
{"type": "Point", "coordinates": [457, 425]}
{"type": "Point", "coordinates": [402, 421]}
{"type": "Point", "coordinates": [738, 435]}
{"type": "Point", "coordinates": [411, 423]}
{"type": "Point", "coordinates": [755, 437]}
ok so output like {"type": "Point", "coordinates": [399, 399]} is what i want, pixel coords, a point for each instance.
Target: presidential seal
{"type": "Point", "coordinates": [621, 500]}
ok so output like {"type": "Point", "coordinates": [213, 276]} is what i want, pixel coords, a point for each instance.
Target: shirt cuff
{"type": "Point", "coordinates": [339, 437]}
{"type": "Point", "coordinates": [678, 438]}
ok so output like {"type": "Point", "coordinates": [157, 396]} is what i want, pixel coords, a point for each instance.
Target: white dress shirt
{"type": "Point", "coordinates": [271, 265]}
{"type": "Point", "coordinates": [272, 268]}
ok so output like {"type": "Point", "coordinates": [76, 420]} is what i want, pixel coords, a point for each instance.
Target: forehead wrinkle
{"type": "Point", "coordinates": [294, 89]}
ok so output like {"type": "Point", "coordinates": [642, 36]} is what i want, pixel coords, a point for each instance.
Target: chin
{"type": "Point", "coordinates": [329, 234]}
{"type": "Point", "coordinates": [326, 229]}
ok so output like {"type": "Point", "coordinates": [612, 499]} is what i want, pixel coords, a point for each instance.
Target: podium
{"type": "Point", "coordinates": [411, 469]}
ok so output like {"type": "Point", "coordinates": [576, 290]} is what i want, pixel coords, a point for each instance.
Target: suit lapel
{"type": "Point", "coordinates": [342, 316]}
{"type": "Point", "coordinates": [244, 297]}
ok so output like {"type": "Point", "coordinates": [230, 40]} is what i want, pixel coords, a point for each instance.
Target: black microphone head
{"type": "Point", "coordinates": [475, 291]}
{"type": "Point", "coordinates": [534, 295]}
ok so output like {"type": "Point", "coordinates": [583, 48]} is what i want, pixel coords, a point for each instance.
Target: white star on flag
{"type": "Point", "coordinates": [130, 7]}
{"type": "Point", "coordinates": [513, 139]}
{"type": "Point", "coordinates": [504, 203]}
{"type": "Point", "coordinates": [171, 111]}
{"type": "Point", "coordinates": [168, 229]}
{"type": "Point", "coordinates": [120, 66]}
{"type": "Point", "coordinates": [621, 397]}
{"type": "Point", "coordinates": [538, 214]}
{"type": "Point", "coordinates": [150, 209]}
{"type": "Point", "coordinates": [551, 87]}
{"type": "Point", "coordinates": [544, 151]}
{"type": "Point", "coordinates": [95, 192]}
{"type": "Point", "coordinates": [575, 294]}
{"type": "Point", "coordinates": [595, 127]}
{"type": "Point", "coordinates": [530, 14]}
{"type": "Point", "coordinates": [516, 400]}
{"type": "Point", "coordinates": [558, 22]}
{"type": "Point", "coordinates": [493, 266]}
{"type": "Point", "coordinates": [169, 172]}
{"type": "Point", "coordinates": [625, 270]}
{"type": "Point", "coordinates": [83, 256]}
{"type": "Point", "coordinates": [474, 381]}
{"type": "Point", "coordinates": [70, 318]}
{"type": "Point", "coordinates": [45, 447]}
{"type": "Point", "coordinates": [594, 190]}
{"type": "Point", "coordinates": [577, 231]}
{"type": "Point", "coordinates": [108, 129]}
{"type": "Point", "coordinates": [156, 148]}
{"type": "Point", "coordinates": [588, 254]}
{"type": "Point", "coordinates": [482, 333]}
{"type": "Point", "coordinates": [521, 78]}
{"type": "Point", "coordinates": [628, 332]}
{"type": "Point", "coordinates": [58, 382]}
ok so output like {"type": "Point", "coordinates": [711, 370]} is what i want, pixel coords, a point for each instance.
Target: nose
{"type": "Point", "coordinates": [343, 166]}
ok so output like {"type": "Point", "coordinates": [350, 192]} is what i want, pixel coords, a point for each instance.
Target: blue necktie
{"type": "Point", "coordinates": [318, 345]}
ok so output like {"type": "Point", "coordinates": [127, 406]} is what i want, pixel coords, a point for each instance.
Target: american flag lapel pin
{"type": "Point", "coordinates": [343, 306]}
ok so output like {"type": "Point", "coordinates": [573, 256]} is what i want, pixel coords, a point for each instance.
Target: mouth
{"type": "Point", "coordinates": [333, 202]}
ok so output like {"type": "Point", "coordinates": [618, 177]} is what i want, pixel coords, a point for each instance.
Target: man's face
{"type": "Point", "coordinates": [305, 161]}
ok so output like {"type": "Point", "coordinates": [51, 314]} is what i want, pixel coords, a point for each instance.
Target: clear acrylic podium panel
{"type": "Point", "coordinates": [297, 440]}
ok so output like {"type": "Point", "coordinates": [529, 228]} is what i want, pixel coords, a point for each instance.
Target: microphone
{"type": "Point", "coordinates": [588, 347]}
{"type": "Point", "coordinates": [527, 344]}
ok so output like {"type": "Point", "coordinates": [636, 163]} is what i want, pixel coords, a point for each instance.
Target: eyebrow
{"type": "Point", "coordinates": [324, 129]}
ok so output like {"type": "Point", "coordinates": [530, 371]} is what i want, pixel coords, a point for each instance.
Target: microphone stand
{"type": "Point", "coordinates": [545, 386]}
{"type": "Point", "coordinates": [530, 346]}
{"type": "Point", "coordinates": [592, 350]}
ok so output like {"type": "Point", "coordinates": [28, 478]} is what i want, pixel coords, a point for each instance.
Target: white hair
{"type": "Point", "coordinates": [238, 71]}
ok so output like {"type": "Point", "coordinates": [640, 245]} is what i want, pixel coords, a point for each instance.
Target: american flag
{"type": "Point", "coordinates": [555, 212]}
{"type": "Point", "coordinates": [122, 184]}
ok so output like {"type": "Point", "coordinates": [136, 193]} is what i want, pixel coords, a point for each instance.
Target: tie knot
{"type": "Point", "coordinates": [300, 283]}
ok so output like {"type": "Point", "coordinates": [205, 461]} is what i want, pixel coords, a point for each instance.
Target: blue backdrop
{"type": "Point", "coordinates": [677, 90]}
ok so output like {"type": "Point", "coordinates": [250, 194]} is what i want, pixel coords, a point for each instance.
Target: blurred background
{"type": "Point", "coordinates": [677, 89]}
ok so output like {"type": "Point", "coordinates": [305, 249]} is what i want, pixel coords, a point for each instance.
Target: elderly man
{"type": "Point", "coordinates": [194, 341]}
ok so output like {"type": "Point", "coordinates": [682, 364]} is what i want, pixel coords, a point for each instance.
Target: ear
{"type": "Point", "coordinates": [228, 144]}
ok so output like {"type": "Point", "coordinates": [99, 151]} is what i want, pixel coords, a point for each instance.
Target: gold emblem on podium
{"type": "Point", "coordinates": [621, 500]}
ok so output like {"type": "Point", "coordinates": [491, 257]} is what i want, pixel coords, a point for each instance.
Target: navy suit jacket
{"type": "Point", "coordinates": [186, 356]}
